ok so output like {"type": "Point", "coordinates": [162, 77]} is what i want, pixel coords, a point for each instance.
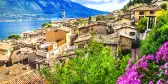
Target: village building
{"type": "Point", "coordinates": [146, 11]}
{"type": "Point", "coordinates": [124, 20]}
{"type": "Point", "coordinates": [32, 34]}
{"type": "Point", "coordinates": [23, 56]}
{"type": "Point", "coordinates": [57, 41]}
{"type": "Point", "coordinates": [6, 50]}
{"type": "Point", "coordinates": [72, 20]}
{"type": "Point", "coordinates": [127, 30]}
{"type": "Point", "coordinates": [112, 40]}
{"type": "Point", "coordinates": [20, 74]}
{"type": "Point", "coordinates": [56, 23]}
{"type": "Point", "coordinates": [60, 35]}
{"type": "Point", "coordinates": [98, 28]}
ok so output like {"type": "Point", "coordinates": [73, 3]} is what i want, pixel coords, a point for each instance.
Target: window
{"type": "Point", "coordinates": [141, 13]}
{"type": "Point", "coordinates": [152, 12]}
{"type": "Point", "coordinates": [132, 33]}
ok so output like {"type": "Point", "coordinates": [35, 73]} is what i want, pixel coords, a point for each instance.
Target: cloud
{"type": "Point", "coordinates": [104, 5]}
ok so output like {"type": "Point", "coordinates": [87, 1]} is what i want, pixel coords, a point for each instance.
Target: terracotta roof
{"type": "Point", "coordinates": [21, 54]}
{"type": "Point", "coordinates": [107, 39]}
{"type": "Point", "coordinates": [125, 35]}
{"type": "Point", "coordinates": [83, 38]}
{"type": "Point", "coordinates": [18, 75]}
{"type": "Point", "coordinates": [5, 46]}
{"type": "Point", "coordinates": [66, 29]}
{"type": "Point", "coordinates": [124, 26]}
{"type": "Point", "coordinates": [126, 16]}
{"type": "Point", "coordinates": [93, 24]}
{"type": "Point", "coordinates": [3, 57]}
{"type": "Point", "coordinates": [56, 22]}
{"type": "Point", "coordinates": [147, 8]}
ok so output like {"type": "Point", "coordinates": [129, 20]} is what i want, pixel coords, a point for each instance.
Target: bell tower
{"type": "Point", "coordinates": [63, 15]}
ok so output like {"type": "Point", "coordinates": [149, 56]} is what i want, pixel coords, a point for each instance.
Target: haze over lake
{"type": "Point", "coordinates": [8, 28]}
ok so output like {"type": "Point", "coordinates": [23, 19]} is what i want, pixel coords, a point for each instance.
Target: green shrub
{"type": "Point", "coordinates": [93, 65]}
{"type": "Point", "coordinates": [100, 18]}
{"type": "Point", "coordinates": [163, 6]}
{"type": "Point", "coordinates": [47, 24]}
{"type": "Point", "coordinates": [142, 25]}
{"type": "Point", "coordinates": [14, 36]}
{"type": "Point", "coordinates": [156, 37]}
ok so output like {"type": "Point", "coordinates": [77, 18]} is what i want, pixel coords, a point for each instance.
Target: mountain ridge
{"type": "Point", "coordinates": [46, 7]}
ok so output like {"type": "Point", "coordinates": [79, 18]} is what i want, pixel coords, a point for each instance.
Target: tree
{"type": "Point", "coordinates": [133, 2]}
{"type": "Point", "coordinates": [142, 25]}
{"type": "Point", "coordinates": [47, 24]}
{"type": "Point", "coordinates": [100, 18]}
{"type": "Point", "coordinates": [93, 65]}
{"type": "Point", "coordinates": [163, 6]}
{"type": "Point", "coordinates": [14, 36]}
{"type": "Point", "coordinates": [90, 19]}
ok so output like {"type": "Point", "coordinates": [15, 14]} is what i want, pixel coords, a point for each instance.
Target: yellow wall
{"type": "Point", "coordinates": [52, 36]}
{"type": "Point", "coordinates": [147, 13]}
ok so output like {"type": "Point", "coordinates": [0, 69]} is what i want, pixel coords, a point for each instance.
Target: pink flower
{"type": "Point", "coordinates": [167, 82]}
{"type": "Point", "coordinates": [150, 57]}
{"type": "Point", "coordinates": [159, 82]}
{"type": "Point", "coordinates": [151, 82]}
{"type": "Point", "coordinates": [144, 65]}
{"type": "Point", "coordinates": [166, 72]}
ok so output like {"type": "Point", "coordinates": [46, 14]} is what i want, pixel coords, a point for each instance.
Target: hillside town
{"type": "Point", "coordinates": [56, 41]}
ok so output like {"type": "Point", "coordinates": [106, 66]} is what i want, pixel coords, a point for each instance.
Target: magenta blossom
{"type": "Point", "coordinates": [166, 72]}
{"type": "Point", "coordinates": [151, 82]}
{"type": "Point", "coordinates": [144, 65]}
{"type": "Point", "coordinates": [150, 57]}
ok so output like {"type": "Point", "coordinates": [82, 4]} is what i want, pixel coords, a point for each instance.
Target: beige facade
{"type": "Point", "coordinates": [127, 31]}
{"type": "Point", "coordinates": [126, 43]}
{"type": "Point", "coordinates": [94, 28]}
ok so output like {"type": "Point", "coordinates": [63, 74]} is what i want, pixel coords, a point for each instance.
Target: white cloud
{"type": "Point", "coordinates": [104, 5]}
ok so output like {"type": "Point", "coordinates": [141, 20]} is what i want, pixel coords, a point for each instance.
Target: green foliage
{"type": "Point", "coordinates": [47, 24]}
{"type": "Point", "coordinates": [142, 24]}
{"type": "Point", "coordinates": [93, 65]}
{"type": "Point", "coordinates": [163, 6]}
{"type": "Point", "coordinates": [156, 37]}
{"type": "Point", "coordinates": [100, 18]}
{"type": "Point", "coordinates": [133, 2]}
{"type": "Point", "coordinates": [90, 19]}
{"type": "Point", "coordinates": [14, 36]}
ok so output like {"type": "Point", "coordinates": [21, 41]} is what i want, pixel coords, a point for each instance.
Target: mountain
{"type": "Point", "coordinates": [40, 8]}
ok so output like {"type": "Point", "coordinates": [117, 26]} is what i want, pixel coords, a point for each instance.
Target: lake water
{"type": "Point", "coordinates": [8, 28]}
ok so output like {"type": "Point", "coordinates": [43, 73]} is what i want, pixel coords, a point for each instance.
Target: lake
{"type": "Point", "coordinates": [8, 28]}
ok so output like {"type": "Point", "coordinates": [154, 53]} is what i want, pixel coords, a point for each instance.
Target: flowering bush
{"type": "Point", "coordinates": [149, 69]}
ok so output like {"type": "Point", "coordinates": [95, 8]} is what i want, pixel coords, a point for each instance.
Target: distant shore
{"type": "Point", "coordinates": [8, 28]}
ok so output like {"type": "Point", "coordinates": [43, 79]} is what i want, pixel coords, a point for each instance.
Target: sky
{"type": "Point", "coordinates": [103, 5]}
